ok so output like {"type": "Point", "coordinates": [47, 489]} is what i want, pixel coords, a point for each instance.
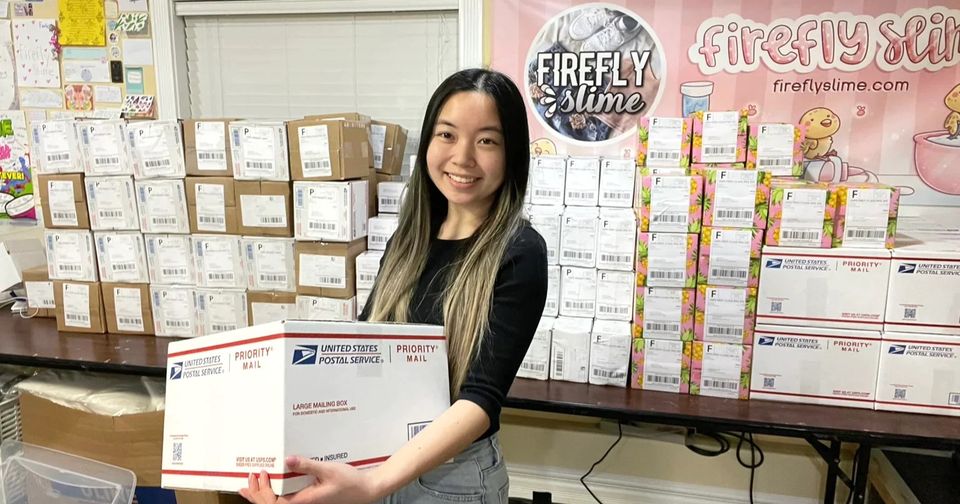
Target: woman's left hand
{"type": "Point", "coordinates": [333, 483]}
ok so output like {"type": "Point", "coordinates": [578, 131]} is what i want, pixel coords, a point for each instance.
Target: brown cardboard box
{"type": "Point", "coordinates": [134, 442]}
{"type": "Point", "coordinates": [79, 200]}
{"type": "Point", "coordinates": [349, 149]}
{"type": "Point", "coordinates": [282, 303]}
{"type": "Point", "coordinates": [190, 148]}
{"type": "Point", "coordinates": [231, 214]}
{"type": "Point", "coordinates": [132, 313]}
{"type": "Point", "coordinates": [371, 193]}
{"type": "Point", "coordinates": [313, 273]}
{"type": "Point", "coordinates": [345, 116]}
{"type": "Point", "coordinates": [39, 275]}
{"type": "Point", "coordinates": [394, 145]}
{"type": "Point", "coordinates": [94, 312]}
{"type": "Point", "coordinates": [264, 208]}
{"type": "Point", "coordinates": [188, 497]}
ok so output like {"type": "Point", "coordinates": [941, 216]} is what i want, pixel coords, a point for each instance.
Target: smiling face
{"type": "Point", "coordinates": [466, 156]}
{"type": "Point", "coordinates": [820, 122]}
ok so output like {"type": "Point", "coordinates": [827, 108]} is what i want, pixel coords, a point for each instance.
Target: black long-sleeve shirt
{"type": "Point", "coordinates": [518, 298]}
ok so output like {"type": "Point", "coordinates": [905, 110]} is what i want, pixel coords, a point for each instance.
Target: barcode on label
{"type": "Point", "coordinates": [605, 373]}
{"type": "Point", "coordinates": [65, 215]}
{"type": "Point", "coordinates": [378, 159]}
{"type": "Point", "coordinates": [900, 394]}
{"type": "Point", "coordinates": [614, 310]}
{"type": "Point", "coordinates": [662, 379]}
{"type": "Point", "coordinates": [211, 156]}
{"type": "Point", "coordinates": [558, 362]}
{"type": "Point", "coordinates": [573, 254]}
{"type": "Point", "coordinates": [534, 366]}
{"type": "Point", "coordinates": [271, 220]}
{"type": "Point", "coordinates": [379, 238]}
{"type": "Point", "coordinates": [721, 384]}
{"type": "Point", "coordinates": [223, 327]}
{"type": "Point", "coordinates": [725, 331]}
{"type": "Point", "coordinates": [259, 165]}
{"type": "Point", "coordinates": [728, 273]}
{"type": "Point", "coordinates": [329, 280]}
{"type": "Point", "coordinates": [130, 321]}
{"type": "Point", "coordinates": [663, 155]}
{"type": "Point", "coordinates": [769, 383]}
{"type": "Point", "coordinates": [323, 226]}
{"type": "Point", "coordinates": [953, 399]}
{"type": "Point", "coordinates": [656, 326]}
{"type": "Point", "coordinates": [775, 162]}
{"type": "Point", "coordinates": [719, 150]}
{"type": "Point", "coordinates": [614, 258]}
{"type": "Point", "coordinates": [581, 195]}
{"type": "Point", "coordinates": [58, 157]}
{"type": "Point", "coordinates": [734, 214]}
{"type": "Point", "coordinates": [106, 160]}
{"type": "Point", "coordinates": [123, 267]}
{"type": "Point", "coordinates": [77, 317]}
{"type": "Point", "coordinates": [910, 313]}
{"type": "Point", "coordinates": [670, 218]}
{"type": "Point", "coordinates": [546, 194]}
{"type": "Point", "coordinates": [800, 235]}
{"type": "Point", "coordinates": [316, 165]}
{"type": "Point", "coordinates": [211, 220]}
{"type": "Point", "coordinates": [220, 276]}
{"type": "Point", "coordinates": [156, 163]}
{"type": "Point", "coordinates": [274, 278]}
{"type": "Point", "coordinates": [574, 305]}
{"type": "Point", "coordinates": [163, 221]}
{"type": "Point", "coordinates": [69, 267]}
{"type": "Point", "coordinates": [776, 306]}
{"type": "Point", "coordinates": [176, 323]}
{"type": "Point", "coordinates": [617, 196]}
{"type": "Point", "coordinates": [667, 275]}
{"type": "Point", "coordinates": [415, 428]}
{"type": "Point", "coordinates": [389, 201]}
{"type": "Point", "coordinates": [368, 278]}
{"type": "Point", "coordinates": [174, 271]}
{"type": "Point", "coordinates": [110, 214]}
{"type": "Point", "coordinates": [865, 233]}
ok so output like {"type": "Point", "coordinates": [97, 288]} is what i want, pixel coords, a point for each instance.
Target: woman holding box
{"type": "Point", "coordinates": [463, 257]}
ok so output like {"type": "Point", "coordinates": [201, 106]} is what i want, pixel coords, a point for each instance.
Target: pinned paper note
{"type": "Point", "coordinates": [138, 107]}
{"type": "Point", "coordinates": [41, 98]}
{"type": "Point", "coordinates": [133, 5]}
{"type": "Point", "coordinates": [81, 22]}
{"type": "Point", "coordinates": [137, 52]}
{"type": "Point", "coordinates": [134, 80]}
{"type": "Point", "coordinates": [78, 97]}
{"type": "Point", "coordinates": [36, 50]}
{"type": "Point", "coordinates": [86, 71]}
{"type": "Point", "coordinates": [111, 9]}
{"type": "Point", "coordinates": [84, 53]}
{"type": "Point", "coordinates": [8, 96]}
{"type": "Point", "coordinates": [133, 24]}
{"type": "Point", "coordinates": [21, 9]}
{"type": "Point", "coordinates": [107, 94]}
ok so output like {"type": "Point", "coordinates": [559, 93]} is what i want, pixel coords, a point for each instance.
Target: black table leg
{"type": "Point", "coordinates": [862, 476]}
{"type": "Point", "coordinates": [833, 470]}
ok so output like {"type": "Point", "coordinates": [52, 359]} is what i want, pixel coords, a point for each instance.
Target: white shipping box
{"type": "Point", "coordinates": [170, 259]}
{"type": "Point", "coordinates": [578, 236]}
{"type": "Point", "coordinates": [330, 211]}
{"type": "Point", "coordinates": [547, 180]}
{"type": "Point", "coordinates": [582, 182]}
{"type": "Point", "coordinates": [163, 206]}
{"type": "Point", "coordinates": [366, 370]}
{"type": "Point", "coordinates": [71, 255]}
{"type": "Point", "coordinates": [362, 297]}
{"type": "Point", "coordinates": [264, 312]}
{"type": "Point", "coordinates": [221, 310]}
{"type": "Point", "coordinates": [617, 239]}
{"type": "Point", "coordinates": [104, 148]}
{"type": "Point", "coordinates": [610, 345]}
{"type": "Point", "coordinates": [326, 309]}
{"type": "Point", "coordinates": [919, 376]}
{"type": "Point", "coordinates": [836, 367]}
{"type": "Point", "coordinates": [570, 349]}
{"type": "Point", "coordinates": [121, 256]}
{"type": "Point", "coordinates": [551, 307]}
{"type": "Point", "coordinates": [40, 295]}
{"type": "Point", "coordinates": [924, 294]}
{"type": "Point", "coordinates": [839, 288]}
{"type": "Point", "coordinates": [259, 150]}
{"type": "Point", "coordinates": [157, 149]}
{"type": "Point", "coordinates": [218, 261]}
{"type": "Point", "coordinates": [663, 368]}
{"type": "Point", "coordinates": [380, 229]}
{"type": "Point", "coordinates": [368, 267]}
{"type": "Point", "coordinates": [390, 196]}
{"type": "Point", "coordinates": [546, 220]}
{"type": "Point", "coordinates": [174, 311]}
{"type": "Point", "coordinates": [536, 362]}
{"type": "Point", "coordinates": [57, 147]}
{"type": "Point", "coordinates": [112, 203]}
{"type": "Point", "coordinates": [615, 292]}
{"type": "Point", "coordinates": [617, 181]}
{"type": "Point", "coordinates": [269, 263]}
{"type": "Point", "coordinates": [578, 292]}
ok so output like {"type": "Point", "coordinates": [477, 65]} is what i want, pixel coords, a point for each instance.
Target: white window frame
{"type": "Point", "coordinates": [169, 36]}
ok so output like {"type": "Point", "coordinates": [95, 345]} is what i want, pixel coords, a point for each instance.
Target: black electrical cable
{"type": "Point", "coordinates": [755, 450]}
{"type": "Point", "coordinates": [722, 442]}
{"type": "Point", "coordinates": [600, 461]}
{"type": "Point", "coordinates": [856, 460]}
{"type": "Point", "coordinates": [756, 453]}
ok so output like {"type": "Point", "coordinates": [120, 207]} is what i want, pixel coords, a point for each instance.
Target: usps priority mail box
{"type": "Point", "coordinates": [242, 401]}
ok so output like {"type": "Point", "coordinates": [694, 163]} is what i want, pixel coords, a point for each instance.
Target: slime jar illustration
{"type": "Point", "coordinates": [696, 96]}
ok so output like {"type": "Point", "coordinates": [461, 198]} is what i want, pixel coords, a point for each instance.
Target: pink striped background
{"type": "Point", "coordinates": [880, 140]}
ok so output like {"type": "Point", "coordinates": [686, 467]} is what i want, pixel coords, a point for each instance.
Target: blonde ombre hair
{"type": "Point", "coordinates": [468, 296]}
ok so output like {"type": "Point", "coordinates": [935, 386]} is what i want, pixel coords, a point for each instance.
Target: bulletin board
{"type": "Point", "coordinates": [65, 59]}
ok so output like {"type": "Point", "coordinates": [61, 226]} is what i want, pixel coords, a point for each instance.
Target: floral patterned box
{"type": "Point", "coordinates": [670, 203]}
{"type": "Point", "coordinates": [661, 365]}
{"type": "Point", "coordinates": [725, 314]}
{"type": "Point", "coordinates": [727, 197]}
{"type": "Point", "coordinates": [775, 148]}
{"type": "Point", "coordinates": [866, 215]}
{"type": "Point", "coordinates": [697, 168]}
{"type": "Point", "coordinates": [713, 370]}
{"type": "Point", "coordinates": [667, 259]}
{"type": "Point", "coordinates": [720, 137]}
{"type": "Point", "coordinates": [801, 214]}
{"type": "Point", "coordinates": [664, 170]}
{"type": "Point", "coordinates": [664, 313]}
{"type": "Point", "coordinates": [730, 257]}
{"type": "Point", "coordinates": [664, 141]}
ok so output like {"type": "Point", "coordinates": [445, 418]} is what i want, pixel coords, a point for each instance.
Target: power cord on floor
{"type": "Point", "coordinates": [600, 461]}
{"type": "Point", "coordinates": [723, 446]}
{"type": "Point", "coordinates": [856, 462]}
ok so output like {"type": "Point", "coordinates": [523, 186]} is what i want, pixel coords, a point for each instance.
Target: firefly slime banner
{"type": "Point", "coordinates": [875, 84]}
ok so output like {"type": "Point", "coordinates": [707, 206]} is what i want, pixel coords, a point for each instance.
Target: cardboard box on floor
{"type": "Point", "coordinates": [328, 149]}
{"type": "Point", "coordinates": [60, 210]}
{"type": "Point", "coordinates": [39, 288]}
{"type": "Point", "coordinates": [206, 147]}
{"type": "Point", "coordinates": [79, 307]}
{"type": "Point", "coordinates": [129, 441]}
{"type": "Point", "coordinates": [212, 205]}
{"type": "Point", "coordinates": [265, 208]}
{"type": "Point", "coordinates": [366, 369]}
{"type": "Point", "coordinates": [127, 308]}
{"type": "Point", "coordinates": [327, 269]}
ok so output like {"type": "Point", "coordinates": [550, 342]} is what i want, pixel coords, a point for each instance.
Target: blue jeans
{"type": "Point", "coordinates": [477, 475]}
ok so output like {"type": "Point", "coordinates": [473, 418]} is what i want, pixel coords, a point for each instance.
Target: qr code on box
{"type": "Point", "coordinates": [954, 399]}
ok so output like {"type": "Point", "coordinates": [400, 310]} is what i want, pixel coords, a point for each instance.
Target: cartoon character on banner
{"type": "Point", "coordinates": [16, 189]}
{"type": "Point", "coordinates": [543, 147]}
{"type": "Point", "coordinates": [78, 97]}
{"type": "Point", "coordinates": [937, 153]}
{"type": "Point", "coordinates": [821, 161]}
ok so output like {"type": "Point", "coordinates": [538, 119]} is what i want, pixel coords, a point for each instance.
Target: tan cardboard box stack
{"type": "Point", "coordinates": [330, 162]}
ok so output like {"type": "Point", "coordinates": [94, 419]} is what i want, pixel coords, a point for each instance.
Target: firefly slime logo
{"type": "Point", "coordinates": [593, 70]}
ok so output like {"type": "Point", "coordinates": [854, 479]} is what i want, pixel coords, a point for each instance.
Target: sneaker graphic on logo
{"type": "Point", "coordinates": [589, 22]}
{"type": "Point", "coordinates": [613, 36]}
